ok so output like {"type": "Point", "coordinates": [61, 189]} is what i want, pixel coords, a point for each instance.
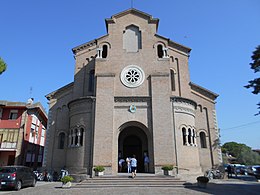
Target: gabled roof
{"type": "Point", "coordinates": [136, 12]}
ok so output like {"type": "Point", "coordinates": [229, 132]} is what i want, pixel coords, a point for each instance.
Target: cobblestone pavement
{"type": "Point", "coordinates": [235, 186]}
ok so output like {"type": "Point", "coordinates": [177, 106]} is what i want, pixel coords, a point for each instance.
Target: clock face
{"type": "Point", "coordinates": [132, 76]}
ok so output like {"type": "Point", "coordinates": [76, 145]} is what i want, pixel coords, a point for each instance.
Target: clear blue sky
{"type": "Point", "coordinates": [36, 38]}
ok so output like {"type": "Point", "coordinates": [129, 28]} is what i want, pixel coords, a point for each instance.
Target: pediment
{"type": "Point", "coordinates": [135, 12]}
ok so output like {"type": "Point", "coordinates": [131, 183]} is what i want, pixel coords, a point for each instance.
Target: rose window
{"type": "Point", "coordinates": [132, 76]}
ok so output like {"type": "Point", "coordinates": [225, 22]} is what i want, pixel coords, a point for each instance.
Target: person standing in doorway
{"type": "Point", "coordinates": [128, 164]}
{"type": "Point", "coordinates": [133, 166]}
{"type": "Point", "coordinates": [146, 163]}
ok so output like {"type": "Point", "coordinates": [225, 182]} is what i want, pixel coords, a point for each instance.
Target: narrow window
{"type": "Point", "coordinates": [91, 81]}
{"type": "Point", "coordinates": [72, 137]}
{"type": "Point", "coordinates": [172, 80]}
{"type": "Point", "coordinates": [189, 136]}
{"type": "Point", "coordinates": [61, 141]}
{"type": "Point", "coordinates": [76, 137]}
{"type": "Point", "coordinates": [81, 136]}
{"type": "Point", "coordinates": [104, 51]}
{"type": "Point", "coordinates": [160, 51]}
{"type": "Point", "coordinates": [194, 138]}
{"type": "Point", "coordinates": [203, 143]}
{"type": "Point", "coordinates": [184, 136]}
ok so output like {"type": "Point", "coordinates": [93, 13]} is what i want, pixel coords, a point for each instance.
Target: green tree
{"type": "Point", "coordinates": [242, 153]}
{"type": "Point", "coordinates": [3, 66]}
{"type": "Point", "coordinates": [255, 65]}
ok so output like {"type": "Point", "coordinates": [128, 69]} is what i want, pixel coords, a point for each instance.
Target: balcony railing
{"type": "Point", "coordinates": [8, 145]}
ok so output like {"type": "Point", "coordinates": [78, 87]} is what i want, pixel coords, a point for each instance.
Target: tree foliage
{"type": "Point", "coordinates": [3, 66]}
{"type": "Point", "coordinates": [242, 153]}
{"type": "Point", "coordinates": [255, 65]}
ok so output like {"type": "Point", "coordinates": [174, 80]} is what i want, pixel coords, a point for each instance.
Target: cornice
{"type": "Point", "coordinates": [174, 45]}
{"type": "Point", "coordinates": [81, 100]}
{"type": "Point", "coordinates": [60, 90]}
{"type": "Point", "coordinates": [183, 100]}
{"type": "Point", "coordinates": [205, 92]}
{"type": "Point", "coordinates": [87, 45]}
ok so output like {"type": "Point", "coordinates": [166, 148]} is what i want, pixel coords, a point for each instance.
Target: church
{"type": "Point", "coordinates": [132, 94]}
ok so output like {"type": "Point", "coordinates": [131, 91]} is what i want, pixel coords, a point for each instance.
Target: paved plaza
{"type": "Point", "coordinates": [235, 186]}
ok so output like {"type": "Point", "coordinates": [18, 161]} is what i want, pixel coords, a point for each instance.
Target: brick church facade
{"type": "Point", "coordinates": [132, 94]}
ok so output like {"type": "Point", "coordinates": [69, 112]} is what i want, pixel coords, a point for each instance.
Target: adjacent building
{"type": "Point", "coordinates": [132, 94]}
{"type": "Point", "coordinates": [22, 133]}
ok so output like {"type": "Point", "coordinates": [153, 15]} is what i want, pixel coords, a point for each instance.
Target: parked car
{"type": "Point", "coordinates": [16, 177]}
{"type": "Point", "coordinates": [257, 172]}
{"type": "Point", "coordinates": [254, 170]}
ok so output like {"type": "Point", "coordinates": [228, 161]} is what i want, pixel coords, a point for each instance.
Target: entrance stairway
{"type": "Point", "coordinates": [124, 180]}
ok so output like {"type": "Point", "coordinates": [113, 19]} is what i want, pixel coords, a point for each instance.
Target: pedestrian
{"type": "Point", "coordinates": [133, 166]}
{"type": "Point", "coordinates": [120, 163]}
{"type": "Point", "coordinates": [229, 171]}
{"type": "Point", "coordinates": [146, 163]}
{"type": "Point", "coordinates": [128, 164]}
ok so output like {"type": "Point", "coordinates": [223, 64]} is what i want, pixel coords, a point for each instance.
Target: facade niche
{"type": "Point", "coordinates": [61, 141]}
{"type": "Point", "coordinates": [172, 73]}
{"type": "Point", "coordinates": [132, 39]}
{"type": "Point", "coordinates": [91, 81]}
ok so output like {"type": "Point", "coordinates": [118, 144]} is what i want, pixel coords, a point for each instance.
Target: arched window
{"type": "Point", "coordinates": [61, 141]}
{"type": "Point", "coordinates": [160, 51]}
{"type": "Point", "coordinates": [104, 51]}
{"type": "Point", "coordinates": [184, 136]}
{"type": "Point", "coordinates": [203, 142]}
{"type": "Point", "coordinates": [91, 81]}
{"type": "Point", "coordinates": [172, 80]}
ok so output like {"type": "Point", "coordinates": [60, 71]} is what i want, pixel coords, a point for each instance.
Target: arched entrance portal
{"type": "Point", "coordinates": [133, 140]}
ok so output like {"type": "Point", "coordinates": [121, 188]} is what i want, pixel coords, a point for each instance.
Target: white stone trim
{"type": "Point", "coordinates": [132, 76]}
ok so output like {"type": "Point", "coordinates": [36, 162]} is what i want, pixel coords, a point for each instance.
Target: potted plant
{"type": "Point", "coordinates": [202, 181]}
{"type": "Point", "coordinates": [99, 170]}
{"type": "Point", "coordinates": [167, 169]}
{"type": "Point", "coordinates": [66, 181]}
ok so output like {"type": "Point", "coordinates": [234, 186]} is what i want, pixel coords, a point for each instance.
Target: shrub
{"type": "Point", "coordinates": [167, 167]}
{"type": "Point", "coordinates": [99, 169]}
{"type": "Point", "coordinates": [67, 179]}
{"type": "Point", "coordinates": [203, 179]}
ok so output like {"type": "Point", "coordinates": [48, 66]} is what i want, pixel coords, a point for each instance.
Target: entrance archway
{"type": "Point", "coordinates": [133, 140]}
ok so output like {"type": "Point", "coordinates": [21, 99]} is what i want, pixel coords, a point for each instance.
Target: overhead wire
{"type": "Point", "coordinates": [239, 126]}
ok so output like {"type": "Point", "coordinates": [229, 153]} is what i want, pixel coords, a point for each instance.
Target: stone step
{"type": "Point", "coordinates": [126, 181]}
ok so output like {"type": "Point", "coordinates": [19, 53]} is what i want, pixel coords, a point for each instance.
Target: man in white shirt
{"type": "Point", "coordinates": [133, 166]}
